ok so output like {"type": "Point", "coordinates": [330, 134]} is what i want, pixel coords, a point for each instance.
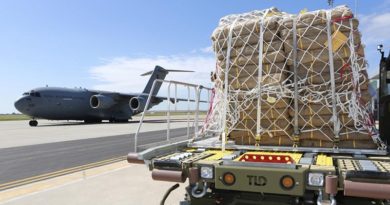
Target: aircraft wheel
{"type": "Point", "coordinates": [92, 121]}
{"type": "Point", "coordinates": [33, 123]}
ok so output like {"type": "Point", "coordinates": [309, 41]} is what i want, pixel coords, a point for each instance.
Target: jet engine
{"type": "Point", "coordinates": [101, 101]}
{"type": "Point", "coordinates": [137, 104]}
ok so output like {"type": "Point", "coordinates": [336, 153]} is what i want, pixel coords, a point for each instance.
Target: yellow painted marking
{"type": "Point", "coordinates": [217, 154]}
{"type": "Point", "coordinates": [57, 173]}
{"type": "Point", "coordinates": [324, 160]}
{"type": "Point", "coordinates": [43, 185]}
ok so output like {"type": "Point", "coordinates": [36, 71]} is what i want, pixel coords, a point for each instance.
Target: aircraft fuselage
{"type": "Point", "coordinates": [92, 105]}
{"type": "Point", "coordinates": [69, 104]}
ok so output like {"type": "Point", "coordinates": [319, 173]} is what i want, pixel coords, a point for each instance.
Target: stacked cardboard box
{"type": "Point", "coordinates": [322, 49]}
{"type": "Point", "coordinates": [315, 33]}
{"type": "Point", "coordinates": [237, 44]}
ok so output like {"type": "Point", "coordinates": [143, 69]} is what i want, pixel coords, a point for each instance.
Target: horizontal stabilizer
{"type": "Point", "coordinates": [167, 71]}
{"type": "Point", "coordinates": [158, 73]}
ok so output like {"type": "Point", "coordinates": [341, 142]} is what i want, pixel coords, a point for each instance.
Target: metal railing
{"type": "Point", "coordinates": [197, 100]}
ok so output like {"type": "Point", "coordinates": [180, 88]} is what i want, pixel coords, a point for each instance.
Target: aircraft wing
{"type": "Point", "coordinates": [118, 96]}
{"type": "Point", "coordinates": [154, 99]}
{"type": "Point", "coordinates": [121, 96]}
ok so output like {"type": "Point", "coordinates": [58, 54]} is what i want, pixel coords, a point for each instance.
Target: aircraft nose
{"type": "Point", "coordinates": [18, 105]}
{"type": "Point", "coordinates": [21, 104]}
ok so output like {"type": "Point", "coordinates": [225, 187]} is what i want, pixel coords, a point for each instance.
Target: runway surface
{"type": "Point", "coordinates": [27, 161]}
{"type": "Point", "coordinates": [19, 133]}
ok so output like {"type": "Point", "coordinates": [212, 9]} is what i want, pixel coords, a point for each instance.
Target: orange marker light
{"type": "Point", "coordinates": [229, 178]}
{"type": "Point", "coordinates": [287, 182]}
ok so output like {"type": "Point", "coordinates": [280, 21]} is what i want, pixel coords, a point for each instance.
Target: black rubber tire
{"type": "Point", "coordinates": [33, 123]}
{"type": "Point", "coordinates": [92, 121]}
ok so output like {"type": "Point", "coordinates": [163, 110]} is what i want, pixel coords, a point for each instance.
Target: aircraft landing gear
{"type": "Point", "coordinates": [33, 123]}
{"type": "Point", "coordinates": [113, 120]}
{"type": "Point", "coordinates": [92, 121]}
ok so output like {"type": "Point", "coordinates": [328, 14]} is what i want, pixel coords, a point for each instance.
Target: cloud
{"type": "Point", "coordinates": [385, 5]}
{"type": "Point", "coordinates": [375, 27]}
{"type": "Point", "coordinates": [205, 50]}
{"type": "Point", "coordinates": [122, 74]}
{"type": "Point", "coordinates": [208, 49]}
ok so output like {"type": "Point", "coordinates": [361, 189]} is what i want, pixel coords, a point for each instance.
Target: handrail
{"type": "Point", "coordinates": [197, 88]}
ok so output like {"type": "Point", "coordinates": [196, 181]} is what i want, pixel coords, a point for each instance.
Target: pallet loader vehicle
{"type": "Point", "coordinates": [219, 171]}
{"type": "Point", "coordinates": [276, 175]}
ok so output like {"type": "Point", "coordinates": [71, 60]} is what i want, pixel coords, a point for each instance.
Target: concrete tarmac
{"type": "Point", "coordinates": [18, 163]}
{"type": "Point", "coordinates": [19, 133]}
{"type": "Point", "coordinates": [127, 185]}
{"type": "Point", "coordinates": [54, 145]}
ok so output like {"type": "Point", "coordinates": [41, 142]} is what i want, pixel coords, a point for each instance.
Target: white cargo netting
{"type": "Point", "coordinates": [291, 80]}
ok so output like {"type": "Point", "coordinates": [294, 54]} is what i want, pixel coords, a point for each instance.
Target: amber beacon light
{"type": "Point", "coordinates": [287, 182]}
{"type": "Point", "coordinates": [228, 178]}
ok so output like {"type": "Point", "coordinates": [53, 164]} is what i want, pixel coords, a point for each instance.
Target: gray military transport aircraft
{"type": "Point", "coordinates": [91, 106]}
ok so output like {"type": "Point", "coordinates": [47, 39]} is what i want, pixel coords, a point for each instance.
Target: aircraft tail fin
{"type": "Point", "coordinates": [158, 73]}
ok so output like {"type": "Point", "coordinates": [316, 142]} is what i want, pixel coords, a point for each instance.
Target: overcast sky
{"type": "Point", "coordinates": [106, 45]}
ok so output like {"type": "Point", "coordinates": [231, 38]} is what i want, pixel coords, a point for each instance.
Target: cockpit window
{"type": "Point", "coordinates": [35, 94]}
{"type": "Point", "coordinates": [26, 93]}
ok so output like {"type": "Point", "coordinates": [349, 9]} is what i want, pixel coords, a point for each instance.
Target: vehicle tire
{"type": "Point", "coordinates": [33, 123]}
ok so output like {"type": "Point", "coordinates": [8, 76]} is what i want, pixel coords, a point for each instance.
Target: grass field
{"type": "Point", "coordinates": [8, 117]}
